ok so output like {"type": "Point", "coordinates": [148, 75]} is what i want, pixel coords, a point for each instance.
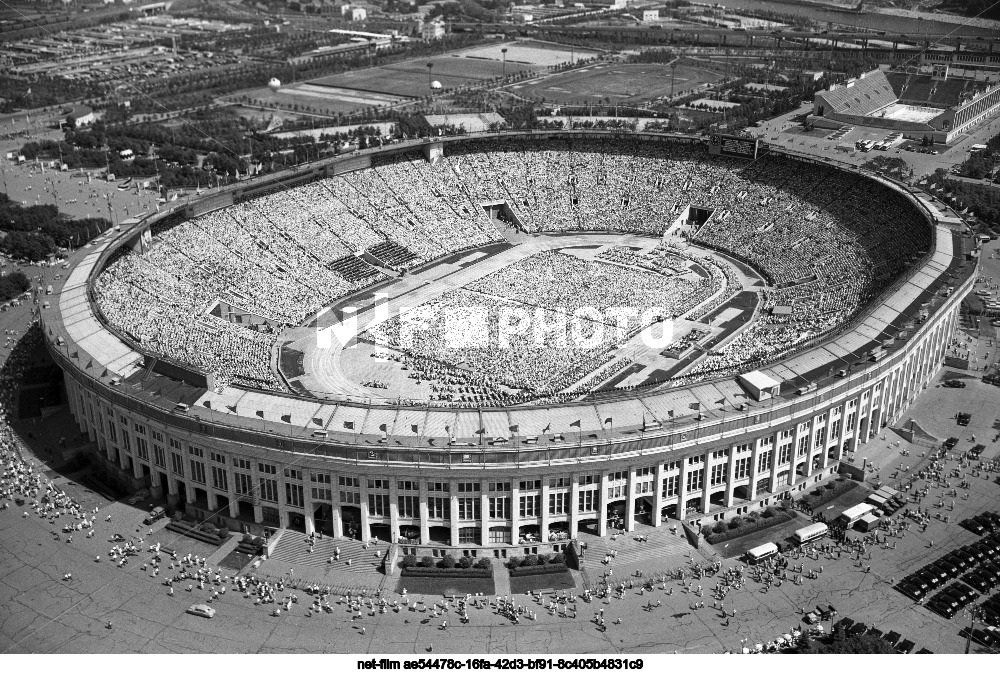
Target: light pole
{"type": "Point", "coordinates": [673, 69]}
{"type": "Point", "coordinates": [430, 69]}
{"type": "Point", "coordinates": [504, 52]}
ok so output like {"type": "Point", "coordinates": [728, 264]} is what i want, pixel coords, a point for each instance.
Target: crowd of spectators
{"type": "Point", "coordinates": [827, 242]}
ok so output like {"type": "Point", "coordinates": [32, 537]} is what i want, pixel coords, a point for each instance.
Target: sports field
{"type": "Point", "coordinates": [410, 78]}
{"type": "Point", "coordinates": [529, 52]}
{"type": "Point", "coordinates": [321, 99]}
{"type": "Point", "coordinates": [619, 82]}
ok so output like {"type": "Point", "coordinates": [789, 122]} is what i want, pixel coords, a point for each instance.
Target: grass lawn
{"type": "Point", "coordinates": [737, 546]}
{"type": "Point", "coordinates": [557, 581]}
{"type": "Point", "coordinates": [446, 586]}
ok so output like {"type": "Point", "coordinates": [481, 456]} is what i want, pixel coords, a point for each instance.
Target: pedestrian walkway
{"type": "Point", "coordinates": [224, 550]}
{"type": "Point", "coordinates": [355, 556]}
{"type": "Point", "coordinates": [501, 579]}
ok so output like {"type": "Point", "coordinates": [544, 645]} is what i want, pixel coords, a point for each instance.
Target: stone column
{"type": "Point", "coordinates": [543, 531]}
{"type": "Point", "coordinates": [658, 494]}
{"type": "Point", "coordinates": [425, 528]}
{"type": "Point", "coordinates": [393, 510]}
{"type": "Point", "coordinates": [602, 505]}
{"type": "Point", "coordinates": [366, 531]}
{"type": "Point", "coordinates": [484, 513]}
{"type": "Point", "coordinates": [515, 512]}
{"type": "Point", "coordinates": [453, 492]}
{"type": "Point", "coordinates": [630, 501]}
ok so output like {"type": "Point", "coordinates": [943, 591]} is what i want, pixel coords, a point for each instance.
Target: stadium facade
{"type": "Point", "coordinates": [253, 459]}
{"type": "Point", "coordinates": [933, 101]}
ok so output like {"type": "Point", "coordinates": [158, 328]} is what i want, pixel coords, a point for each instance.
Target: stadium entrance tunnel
{"type": "Point", "coordinates": [381, 531]}
{"type": "Point", "coordinates": [297, 522]}
{"type": "Point", "coordinates": [503, 213]}
{"type": "Point", "coordinates": [589, 526]}
{"type": "Point", "coordinates": [644, 511]}
{"type": "Point", "coordinates": [351, 516]}
{"type": "Point", "coordinates": [323, 519]}
{"type": "Point", "coordinates": [440, 534]}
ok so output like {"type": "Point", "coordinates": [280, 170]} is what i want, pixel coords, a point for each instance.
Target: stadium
{"type": "Point", "coordinates": [935, 101]}
{"type": "Point", "coordinates": [810, 304]}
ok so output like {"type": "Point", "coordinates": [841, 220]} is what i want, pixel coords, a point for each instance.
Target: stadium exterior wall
{"type": "Point", "coordinates": [697, 471]}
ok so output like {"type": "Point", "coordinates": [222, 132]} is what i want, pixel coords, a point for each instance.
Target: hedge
{"type": "Point", "coordinates": [446, 572]}
{"type": "Point", "coordinates": [547, 569]}
{"type": "Point", "coordinates": [762, 522]}
{"type": "Point", "coordinates": [840, 486]}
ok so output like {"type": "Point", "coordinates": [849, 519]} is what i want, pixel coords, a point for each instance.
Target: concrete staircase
{"type": "Point", "coordinates": [293, 547]}
{"type": "Point", "coordinates": [661, 545]}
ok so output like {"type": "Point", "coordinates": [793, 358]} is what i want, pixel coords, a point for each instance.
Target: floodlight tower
{"type": "Point", "coordinates": [504, 52]}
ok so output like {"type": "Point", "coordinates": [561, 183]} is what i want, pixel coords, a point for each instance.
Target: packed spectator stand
{"type": "Point", "coordinates": [827, 241]}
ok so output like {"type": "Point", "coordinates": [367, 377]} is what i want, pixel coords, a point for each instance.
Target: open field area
{"type": "Point", "coordinates": [410, 78]}
{"type": "Point", "coordinates": [619, 82]}
{"type": "Point", "coordinates": [321, 99]}
{"type": "Point", "coordinates": [529, 52]}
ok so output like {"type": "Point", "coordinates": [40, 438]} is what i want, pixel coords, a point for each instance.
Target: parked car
{"type": "Point", "coordinates": [155, 514]}
{"type": "Point", "coordinates": [954, 383]}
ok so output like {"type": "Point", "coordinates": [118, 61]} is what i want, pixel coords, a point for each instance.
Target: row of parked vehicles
{"type": "Point", "coordinates": [982, 524]}
{"type": "Point", "coordinates": [976, 566]}
{"type": "Point", "coordinates": [901, 645]}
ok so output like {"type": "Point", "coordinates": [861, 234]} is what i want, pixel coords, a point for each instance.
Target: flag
{"type": "Point", "coordinates": [696, 406]}
{"type": "Point", "coordinates": [514, 428]}
{"type": "Point", "coordinates": [546, 428]}
{"type": "Point", "coordinates": [231, 407]}
{"type": "Point", "coordinates": [260, 413]}
{"type": "Point", "coordinates": [608, 420]}
{"type": "Point", "coordinates": [383, 427]}
{"type": "Point", "coordinates": [208, 404]}
{"type": "Point", "coordinates": [89, 365]}
{"type": "Point", "coordinates": [575, 424]}
{"type": "Point", "coordinates": [414, 429]}
{"type": "Point", "coordinates": [287, 418]}
{"type": "Point", "coordinates": [348, 425]}
{"type": "Point", "coordinates": [318, 421]}
{"type": "Point", "coordinates": [670, 413]}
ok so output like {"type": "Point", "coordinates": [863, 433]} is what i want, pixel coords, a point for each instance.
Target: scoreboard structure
{"type": "Point", "coordinates": [742, 147]}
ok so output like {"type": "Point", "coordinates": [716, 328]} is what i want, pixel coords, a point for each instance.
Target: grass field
{"type": "Point", "coordinates": [528, 52]}
{"type": "Point", "coordinates": [621, 83]}
{"type": "Point", "coordinates": [446, 586]}
{"type": "Point", "coordinates": [555, 581]}
{"type": "Point", "coordinates": [410, 79]}
{"type": "Point", "coordinates": [321, 99]}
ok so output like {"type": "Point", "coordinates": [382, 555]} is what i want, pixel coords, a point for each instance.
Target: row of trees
{"type": "Point", "coordinates": [12, 284]}
{"type": "Point", "coordinates": [35, 232]}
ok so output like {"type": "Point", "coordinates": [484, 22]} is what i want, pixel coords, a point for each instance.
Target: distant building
{"type": "Point", "coordinates": [359, 14]}
{"type": "Point", "coordinates": [929, 101]}
{"type": "Point", "coordinates": [649, 15]}
{"type": "Point", "coordinates": [80, 115]}
{"type": "Point", "coordinates": [811, 76]}
{"type": "Point", "coordinates": [434, 29]}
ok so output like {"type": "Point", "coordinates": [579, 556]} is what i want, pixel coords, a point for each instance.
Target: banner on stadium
{"type": "Point", "coordinates": [733, 146]}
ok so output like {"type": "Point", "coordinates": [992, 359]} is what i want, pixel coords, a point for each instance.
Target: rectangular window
{"type": "Point", "coordinates": [350, 498]}
{"type": "Point", "coordinates": [127, 442]}
{"type": "Point", "coordinates": [439, 508]}
{"type": "Point", "coordinates": [803, 446]}
{"type": "Point", "coordinates": [242, 464]}
{"type": "Point", "coordinates": [561, 482]}
{"type": "Point", "coordinates": [198, 471]}
{"type": "Point", "coordinates": [409, 506]}
{"type": "Point", "coordinates": [586, 480]}
{"type": "Point", "coordinates": [195, 451]}
{"type": "Point", "coordinates": [587, 501]}
{"type": "Point", "coordinates": [695, 480]}
{"type": "Point", "coordinates": [320, 493]}
{"type": "Point", "coordinates": [438, 487]}
{"type": "Point", "coordinates": [378, 504]}
{"type": "Point", "coordinates": [157, 436]}
{"type": "Point", "coordinates": [177, 464]}
{"type": "Point", "coordinates": [469, 535]}
{"type": "Point", "coordinates": [269, 489]}
{"type": "Point", "coordinates": [220, 480]}
{"type": "Point", "coordinates": [820, 436]}
{"type": "Point", "coordinates": [243, 483]}
{"type": "Point", "coordinates": [499, 508]}
{"type": "Point", "coordinates": [851, 417]}
{"type": "Point", "coordinates": [159, 456]}
{"type": "Point", "coordinates": [175, 444]}
{"type": "Point", "coordinates": [742, 468]}
{"type": "Point", "coordinates": [408, 486]}
{"type": "Point", "coordinates": [293, 495]}
{"type": "Point", "coordinates": [319, 478]}
{"type": "Point", "coordinates": [500, 486]}
{"type": "Point", "coordinates": [718, 474]}
{"type": "Point", "coordinates": [141, 449]}
{"type": "Point", "coordinates": [266, 468]}
{"type": "Point", "coordinates": [784, 453]}
{"type": "Point", "coordinates": [670, 485]}
{"type": "Point", "coordinates": [139, 429]}
{"type": "Point", "coordinates": [530, 506]}
{"type": "Point", "coordinates": [469, 509]}
{"type": "Point", "coordinates": [558, 503]}
{"type": "Point", "coordinates": [468, 487]}
{"type": "Point", "coordinates": [835, 428]}
{"type": "Point", "coordinates": [378, 484]}
{"type": "Point", "coordinates": [349, 482]}
{"type": "Point", "coordinates": [535, 485]}
{"type": "Point", "coordinates": [217, 458]}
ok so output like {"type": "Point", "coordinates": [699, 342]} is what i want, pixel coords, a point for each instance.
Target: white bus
{"type": "Point", "coordinates": [763, 552]}
{"type": "Point", "coordinates": [810, 533]}
{"type": "Point", "coordinates": [853, 515]}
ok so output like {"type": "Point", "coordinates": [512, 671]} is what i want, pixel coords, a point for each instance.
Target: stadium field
{"type": "Point", "coordinates": [409, 78]}
{"type": "Point", "coordinates": [621, 83]}
{"type": "Point", "coordinates": [530, 52]}
{"type": "Point", "coordinates": [322, 100]}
